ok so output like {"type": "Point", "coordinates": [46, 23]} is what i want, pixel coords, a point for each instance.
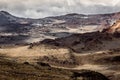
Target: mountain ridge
{"type": "Point", "coordinates": [53, 27]}
{"type": "Point", "coordinates": [70, 14]}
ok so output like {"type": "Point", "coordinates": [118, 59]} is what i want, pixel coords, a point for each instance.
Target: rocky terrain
{"type": "Point", "coordinates": [10, 70]}
{"type": "Point", "coordinates": [34, 30]}
{"type": "Point", "coordinates": [67, 47]}
{"type": "Point", "coordinates": [95, 41]}
{"type": "Point", "coordinates": [98, 51]}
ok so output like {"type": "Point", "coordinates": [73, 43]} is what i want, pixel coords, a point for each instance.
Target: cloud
{"type": "Point", "coordinates": [44, 8]}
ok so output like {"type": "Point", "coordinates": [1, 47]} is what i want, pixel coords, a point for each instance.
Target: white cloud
{"type": "Point", "coordinates": [43, 8]}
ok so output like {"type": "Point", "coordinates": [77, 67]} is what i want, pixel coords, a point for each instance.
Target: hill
{"type": "Point", "coordinates": [34, 30]}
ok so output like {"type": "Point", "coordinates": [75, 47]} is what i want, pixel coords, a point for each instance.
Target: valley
{"type": "Point", "coordinates": [66, 47]}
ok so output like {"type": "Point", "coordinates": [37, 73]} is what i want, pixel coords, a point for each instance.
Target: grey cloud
{"type": "Point", "coordinates": [44, 8]}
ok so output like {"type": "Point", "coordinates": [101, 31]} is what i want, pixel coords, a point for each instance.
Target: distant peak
{"type": "Point", "coordinates": [74, 14]}
{"type": "Point", "coordinates": [5, 12]}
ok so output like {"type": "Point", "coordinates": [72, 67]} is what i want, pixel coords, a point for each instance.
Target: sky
{"type": "Point", "coordinates": [45, 8]}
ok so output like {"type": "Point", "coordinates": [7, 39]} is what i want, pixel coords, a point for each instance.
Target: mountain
{"type": "Point", "coordinates": [80, 19]}
{"type": "Point", "coordinates": [34, 30]}
{"type": "Point", "coordinates": [6, 18]}
{"type": "Point", "coordinates": [68, 19]}
{"type": "Point", "coordinates": [73, 42]}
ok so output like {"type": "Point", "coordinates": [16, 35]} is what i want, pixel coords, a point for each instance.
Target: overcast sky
{"type": "Point", "coordinates": [44, 8]}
